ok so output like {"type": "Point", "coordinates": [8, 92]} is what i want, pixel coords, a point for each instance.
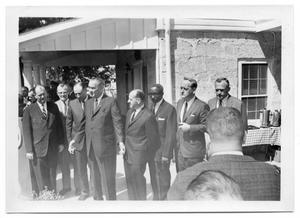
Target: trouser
{"type": "Point", "coordinates": [64, 165]}
{"type": "Point", "coordinates": [163, 177]}
{"type": "Point", "coordinates": [135, 180]}
{"type": "Point", "coordinates": [103, 171]}
{"type": "Point", "coordinates": [185, 162]}
{"type": "Point", "coordinates": [79, 159]}
{"type": "Point", "coordinates": [43, 173]}
{"type": "Point", "coordinates": [153, 178]}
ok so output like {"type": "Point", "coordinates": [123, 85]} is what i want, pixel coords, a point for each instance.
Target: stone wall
{"type": "Point", "coordinates": [205, 56]}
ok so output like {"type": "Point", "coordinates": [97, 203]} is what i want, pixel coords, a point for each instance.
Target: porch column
{"type": "Point", "coordinates": [36, 74]}
{"type": "Point", "coordinates": [27, 73]}
{"type": "Point", "coordinates": [42, 75]}
{"type": "Point", "coordinates": [168, 85]}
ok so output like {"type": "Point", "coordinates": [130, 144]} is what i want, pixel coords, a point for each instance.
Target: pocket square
{"type": "Point", "coordinates": [161, 118]}
{"type": "Point", "coordinates": [192, 115]}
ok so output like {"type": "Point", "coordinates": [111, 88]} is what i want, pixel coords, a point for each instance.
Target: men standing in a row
{"type": "Point", "coordinates": [42, 130]}
{"type": "Point", "coordinates": [191, 118]}
{"type": "Point", "coordinates": [64, 158]}
{"type": "Point", "coordinates": [142, 142]}
{"type": "Point", "coordinates": [102, 127]}
{"type": "Point", "coordinates": [224, 99]}
{"type": "Point", "coordinates": [78, 150]}
{"type": "Point", "coordinates": [165, 115]}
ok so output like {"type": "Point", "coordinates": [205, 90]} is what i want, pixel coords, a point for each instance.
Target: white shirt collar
{"type": "Point", "coordinates": [228, 152]}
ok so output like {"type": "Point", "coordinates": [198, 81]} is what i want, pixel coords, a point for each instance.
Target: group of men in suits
{"type": "Point", "coordinates": [88, 130]}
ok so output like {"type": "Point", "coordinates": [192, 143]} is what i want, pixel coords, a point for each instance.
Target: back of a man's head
{"type": "Point", "coordinates": [213, 186]}
{"type": "Point", "coordinates": [225, 123]}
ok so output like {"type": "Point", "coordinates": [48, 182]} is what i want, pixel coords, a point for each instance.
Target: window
{"type": "Point", "coordinates": [254, 88]}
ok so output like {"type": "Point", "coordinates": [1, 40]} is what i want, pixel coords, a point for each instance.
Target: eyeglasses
{"type": "Point", "coordinates": [221, 90]}
{"type": "Point", "coordinates": [184, 88]}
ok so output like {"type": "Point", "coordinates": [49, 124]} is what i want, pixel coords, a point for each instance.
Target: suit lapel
{"type": "Point", "coordinates": [99, 105]}
{"type": "Point", "coordinates": [190, 110]}
{"type": "Point", "coordinates": [136, 117]}
{"type": "Point", "coordinates": [160, 107]}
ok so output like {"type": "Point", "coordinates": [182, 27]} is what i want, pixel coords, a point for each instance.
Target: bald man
{"type": "Point", "coordinates": [43, 138]}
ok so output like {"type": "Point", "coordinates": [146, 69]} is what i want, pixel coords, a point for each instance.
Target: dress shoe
{"type": "Point", "coordinates": [97, 198]}
{"type": "Point", "coordinates": [83, 197]}
{"type": "Point", "coordinates": [77, 192]}
{"type": "Point", "coordinates": [64, 191]}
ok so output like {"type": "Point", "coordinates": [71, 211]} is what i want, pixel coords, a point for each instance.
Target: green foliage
{"type": "Point", "coordinates": [30, 23]}
{"type": "Point", "coordinates": [47, 195]}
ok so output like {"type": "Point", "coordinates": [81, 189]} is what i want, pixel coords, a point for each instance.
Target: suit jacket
{"type": "Point", "coordinates": [232, 102]}
{"type": "Point", "coordinates": [167, 126]}
{"type": "Point", "coordinates": [257, 180]}
{"type": "Point", "coordinates": [102, 127]}
{"type": "Point", "coordinates": [63, 117]}
{"type": "Point", "coordinates": [74, 117]}
{"type": "Point", "coordinates": [192, 143]}
{"type": "Point", "coordinates": [42, 135]}
{"type": "Point", "coordinates": [142, 137]}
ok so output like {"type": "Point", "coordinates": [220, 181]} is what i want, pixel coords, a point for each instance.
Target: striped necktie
{"type": "Point", "coordinates": [132, 116]}
{"type": "Point", "coordinates": [44, 112]}
{"type": "Point", "coordinates": [185, 109]}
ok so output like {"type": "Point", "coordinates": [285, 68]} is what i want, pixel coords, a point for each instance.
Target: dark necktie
{"type": "Point", "coordinates": [95, 104]}
{"type": "Point", "coordinates": [185, 109]}
{"type": "Point", "coordinates": [44, 112]}
{"type": "Point", "coordinates": [220, 103]}
{"type": "Point", "coordinates": [132, 116]}
{"type": "Point", "coordinates": [154, 108]}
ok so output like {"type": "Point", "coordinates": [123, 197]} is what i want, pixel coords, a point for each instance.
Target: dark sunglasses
{"type": "Point", "coordinates": [221, 90]}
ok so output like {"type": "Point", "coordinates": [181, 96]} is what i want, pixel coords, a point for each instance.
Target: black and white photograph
{"type": "Point", "coordinates": [149, 109]}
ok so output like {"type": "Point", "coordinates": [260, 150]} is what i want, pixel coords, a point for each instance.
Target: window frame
{"type": "Point", "coordinates": [240, 82]}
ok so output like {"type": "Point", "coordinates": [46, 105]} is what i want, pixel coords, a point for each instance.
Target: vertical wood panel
{"type": "Point", "coordinates": [48, 45]}
{"type": "Point", "coordinates": [93, 38]}
{"type": "Point", "coordinates": [137, 33]}
{"type": "Point", "coordinates": [108, 36]}
{"type": "Point", "coordinates": [78, 41]}
{"type": "Point", "coordinates": [123, 33]}
{"type": "Point", "coordinates": [63, 43]}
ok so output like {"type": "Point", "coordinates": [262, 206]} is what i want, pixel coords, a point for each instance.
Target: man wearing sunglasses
{"type": "Point", "coordinates": [191, 119]}
{"type": "Point", "coordinates": [224, 99]}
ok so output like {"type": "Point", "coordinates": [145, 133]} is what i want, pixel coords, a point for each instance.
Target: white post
{"type": "Point", "coordinates": [36, 74]}
{"type": "Point", "coordinates": [168, 86]}
{"type": "Point", "coordinates": [42, 75]}
{"type": "Point", "coordinates": [27, 73]}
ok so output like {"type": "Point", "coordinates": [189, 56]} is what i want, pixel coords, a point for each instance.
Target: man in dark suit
{"type": "Point", "coordinates": [191, 118]}
{"type": "Point", "coordinates": [257, 180]}
{"type": "Point", "coordinates": [224, 99]}
{"type": "Point", "coordinates": [42, 129]}
{"type": "Point", "coordinates": [103, 128]}
{"type": "Point", "coordinates": [78, 150]}
{"type": "Point", "coordinates": [64, 158]}
{"type": "Point", "coordinates": [165, 115]}
{"type": "Point", "coordinates": [141, 144]}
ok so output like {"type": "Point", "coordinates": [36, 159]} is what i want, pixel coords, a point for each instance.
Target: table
{"type": "Point", "coordinates": [262, 136]}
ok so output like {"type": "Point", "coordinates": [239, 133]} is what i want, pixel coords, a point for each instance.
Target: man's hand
{"type": "Point", "coordinates": [71, 149]}
{"type": "Point", "coordinates": [122, 148]}
{"type": "Point", "coordinates": [184, 127]}
{"type": "Point", "coordinates": [29, 156]}
{"type": "Point", "coordinates": [60, 148]}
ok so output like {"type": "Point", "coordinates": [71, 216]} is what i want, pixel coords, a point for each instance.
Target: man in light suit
{"type": "Point", "coordinates": [224, 99]}
{"type": "Point", "coordinates": [191, 118]}
{"type": "Point", "coordinates": [165, 115]}
{"type": "Point", "coordinates": [257, 180]}
{"type": "Point", "coordinates": [42, 129]}
{"type": "Point", "coordinates": [141, 143]}
{"type": "Point", "coordinates": [103, 128]}
{"type": "Point", "coordinates": [64, 158]}
{"type": "Point", "coordinates": [78, 150]}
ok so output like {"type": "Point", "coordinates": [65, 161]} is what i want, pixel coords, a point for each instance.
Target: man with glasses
{"type": "Point", "coordinates": [191, 119]}
{"type": "Point", "coordinates": [78, 150]}
{"type": "Point", "coordinates": [42, 129]}
{"type": "Point", "coordinates": [103, 128]}
{"type": "Point", "coordinates": [224, 99]}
